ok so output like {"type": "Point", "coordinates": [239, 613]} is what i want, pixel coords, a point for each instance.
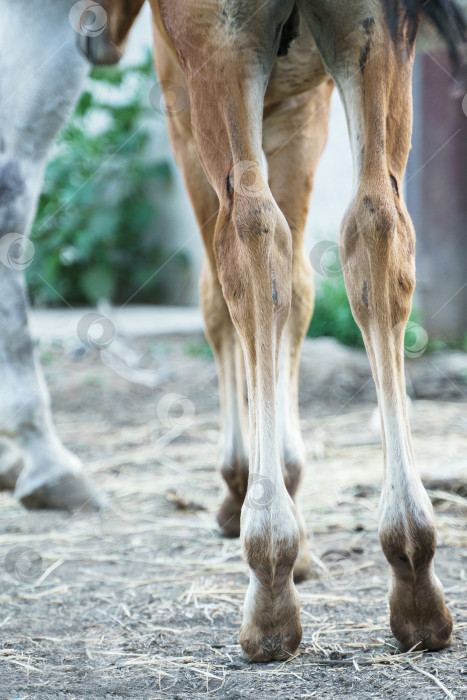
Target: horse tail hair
{"type": "Point", "coordinates": [448, 19]}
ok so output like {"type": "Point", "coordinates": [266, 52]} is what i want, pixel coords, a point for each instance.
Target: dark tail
{"type": "Point", "coordinates": [447, 17]}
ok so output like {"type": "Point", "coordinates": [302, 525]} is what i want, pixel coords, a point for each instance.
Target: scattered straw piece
{"type": "Point", "coordinates": [433, 678]}
{"type": "Point", "coordinates": [48, 571]}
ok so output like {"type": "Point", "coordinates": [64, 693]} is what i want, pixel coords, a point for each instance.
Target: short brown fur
{"type": "Point", "coordinates": [256, 285]}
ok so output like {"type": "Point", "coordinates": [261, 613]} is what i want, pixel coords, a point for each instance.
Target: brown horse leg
{"type": "Point", "coordinates": [227, 72]}
{"type": "Point", "coordinates": [374, 77]}
{"type": "Point", "coordinates": [293, 139]}
{"type": "Point", "coordinates": [219, 328]}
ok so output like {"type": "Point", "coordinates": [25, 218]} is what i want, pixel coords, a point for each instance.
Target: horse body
{"type": "Point", "coordinates": [255, 89]}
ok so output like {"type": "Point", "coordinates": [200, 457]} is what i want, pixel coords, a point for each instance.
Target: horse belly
{"type": "Point", "coordinates": [302, 69]}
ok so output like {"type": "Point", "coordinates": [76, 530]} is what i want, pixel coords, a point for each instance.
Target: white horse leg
{"type": "Point", "coordinates": [40, 79]}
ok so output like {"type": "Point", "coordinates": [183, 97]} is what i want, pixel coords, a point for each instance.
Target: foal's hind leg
{"type": "Point", "coordinates": [378, 241]}
{"type": "Point", "coordinates": [220, 331]}
{"type": "Point", "coordinates": [224, 340]}
{"type": "Point", "coordinates": [294, 136]}
{"type": "Point", "coordinates": [227, 61]}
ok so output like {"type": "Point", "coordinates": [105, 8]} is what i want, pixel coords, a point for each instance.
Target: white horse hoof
{"type": "Point", "coordinates": [69, 492]}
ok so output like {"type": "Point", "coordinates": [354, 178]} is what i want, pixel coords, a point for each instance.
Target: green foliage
{"type": "Point", "coordinates": [97, 230]}
{"type": "Point", "coordinates": [332, 315]}
{"type": "Point", "coordinates": [437, 344]}
{"type": "Point", "coordinates": [198, 347]}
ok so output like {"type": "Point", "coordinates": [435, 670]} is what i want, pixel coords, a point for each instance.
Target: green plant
{"type": "Point", "coordinates": [198, 347]}
{"type": "Point", "coordinates": [97, 232]}
{"type": "Point", "coordinates": [332, 315]}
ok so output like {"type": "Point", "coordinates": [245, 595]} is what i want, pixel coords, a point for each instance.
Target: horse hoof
{"type": "Point", "coordinates": [260, 648]}
{"type": "Point", "coordinates": [70, 492]}
{"type": "Point", "coordinates": [228, 517]}
{"type": "Point", "coordinates": [416, 634]}
{"type": "Point", "coordinates": [271, 629]}
{"type": "Point", "coordinates": [11, 464]}
{"type": "Point", "coordinates": [421, 620]}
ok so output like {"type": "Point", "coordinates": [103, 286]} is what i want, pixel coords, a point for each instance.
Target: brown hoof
{"type": "Point", "coordinates": [258, 647]}
{"type": "Point", "coordinates": [421, 634]}
{"type": "Point", "coordinates": [271, 629]}
{"type": "Point", "coordinates": [228, 517]}
{"type": "Point", "coordinates": [70, 492]}
{"type": "Point", "coordinates": [420, 619]}
{"type": "Point", "coordinates": [11, 464]}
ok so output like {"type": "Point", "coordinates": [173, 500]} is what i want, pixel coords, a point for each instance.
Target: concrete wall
{"type": "Point", "coordinates": [436, 186]}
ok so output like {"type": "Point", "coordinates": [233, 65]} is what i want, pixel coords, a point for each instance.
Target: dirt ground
{"type": "Point", "coordinates": [144, 600]}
